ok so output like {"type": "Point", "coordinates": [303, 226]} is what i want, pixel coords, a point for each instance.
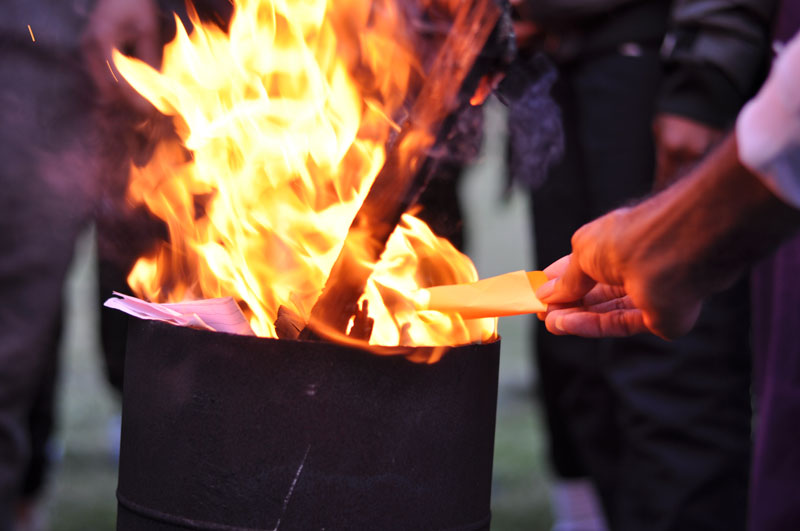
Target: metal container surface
{"type": "Point", "coordinates": [231, 432]}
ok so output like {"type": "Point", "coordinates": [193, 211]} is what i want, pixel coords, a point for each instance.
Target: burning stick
{"type": "Point", "coordinates": [406, 169]}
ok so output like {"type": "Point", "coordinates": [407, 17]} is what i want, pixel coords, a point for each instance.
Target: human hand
{"type": "Point", "coordinates": [680, 143]}
{"type": "Point", "coordinates": [603, 311]}
{"type": "Point", "coordinates": [649, 267]}
{"type": "Point", "coordinates": [616, 283]}
{"type": "Point", "coordinates": [130, 26]}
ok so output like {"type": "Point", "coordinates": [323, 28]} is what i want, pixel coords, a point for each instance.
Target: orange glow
{"type": "Point", "coordinates": [281, 129]}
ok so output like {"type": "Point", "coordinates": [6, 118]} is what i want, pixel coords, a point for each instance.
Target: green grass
{"type": "Point", "coordinates": [81, 497]}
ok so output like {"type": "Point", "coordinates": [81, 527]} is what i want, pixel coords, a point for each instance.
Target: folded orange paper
{"type": "Point", "coordinates": [509, 294]}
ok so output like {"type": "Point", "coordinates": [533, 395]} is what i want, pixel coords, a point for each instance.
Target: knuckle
{"type": "Point", "coordinates": [576, 238]}
{"type": "Point", "coordinates": [618, 324]}
{"type": "Point", "coordinates": [619, 321]}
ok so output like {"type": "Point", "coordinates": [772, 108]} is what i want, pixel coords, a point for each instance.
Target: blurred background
{"type": "Point", "coordinates": [82, 493]}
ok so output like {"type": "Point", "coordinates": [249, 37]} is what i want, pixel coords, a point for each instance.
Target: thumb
{"type": "Point", "coordinates": [571, 286]}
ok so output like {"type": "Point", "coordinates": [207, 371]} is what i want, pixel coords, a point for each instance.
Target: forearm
{"type": "Point", "coordinates": [662, 257]}
{"type": "Point", "coordinates": [711, 224]}
{"type": "Point", "coordinates": [659, 259]}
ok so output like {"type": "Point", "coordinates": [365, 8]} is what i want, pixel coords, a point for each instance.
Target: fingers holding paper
{"type": "Point", "coordinates": [592, 260]}
{"type": "Point", "coordinates": [585, 301]}
{"type": "Point", "coordinates": [605, 311]}
{"type": "Point", "coordinates": [581, 306]}
{"type": "Point", "coordinates": [626, 275]}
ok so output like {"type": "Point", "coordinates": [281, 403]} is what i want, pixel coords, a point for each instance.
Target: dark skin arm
{"type": "Point", "coordinates": [648, 268]}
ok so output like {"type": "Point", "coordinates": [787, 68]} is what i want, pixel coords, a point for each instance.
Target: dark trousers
{"type": "Point", "coordinates": [662, 428]}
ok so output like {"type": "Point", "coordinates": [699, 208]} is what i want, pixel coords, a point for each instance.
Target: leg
{"type": "Point", "coordinates": [42, 421]}
{"type": "Point", "coordinates": [576, 398]}
{"type": "Point", "coordinates": [686, 423]}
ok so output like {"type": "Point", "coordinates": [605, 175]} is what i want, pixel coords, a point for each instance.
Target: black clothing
{"type": "Point", "coordinates": [661, 427]}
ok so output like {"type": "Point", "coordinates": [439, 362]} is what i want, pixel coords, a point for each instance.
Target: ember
{"type": "Point", "coordinates": [282, 125]}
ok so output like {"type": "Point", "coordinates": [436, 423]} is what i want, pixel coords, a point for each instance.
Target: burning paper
{"type": "Point", "coordinates": [217, 315]}
{"type": "Point", "coordinates": [509, 294]}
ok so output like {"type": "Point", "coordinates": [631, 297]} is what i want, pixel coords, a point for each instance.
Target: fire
{"type": "Point", "coordinates": [281, 126]}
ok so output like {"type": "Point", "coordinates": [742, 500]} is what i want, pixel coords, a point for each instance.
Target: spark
{"type": "Point", "coordinates": [112, 71]}
{"type": "Point", "coordinates": [31, 32]}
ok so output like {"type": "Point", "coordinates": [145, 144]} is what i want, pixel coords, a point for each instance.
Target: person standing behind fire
{"type": "Point", "coordinates": [49, 151]}
{"type": "Point", "coordinates": [645, 88]}
{"type": "Point", "coordinates": [139, 28]}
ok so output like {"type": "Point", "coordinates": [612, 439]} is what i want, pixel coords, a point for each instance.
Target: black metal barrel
{"type": "Point", "coordinates": [230, 432]}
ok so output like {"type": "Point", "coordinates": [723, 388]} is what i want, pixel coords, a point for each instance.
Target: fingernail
{"type": "Point", "coordinates": [545, 290]}
{"type": "Point", "coordinates": [559, 324]}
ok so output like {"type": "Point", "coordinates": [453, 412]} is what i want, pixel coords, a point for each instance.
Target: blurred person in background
{"type": "Point", "coordinates": [72, 126]}
{"type": "Point", "coordinates": [657, 261]}
{"type": "Point", "coordinates": [139, 28]}
{"type": "Point", "coordinates": [645, 90]}
{"type": "Point", "coordinates": [58, 152]}
{"type": "Point", "coordinates": [49, 147]}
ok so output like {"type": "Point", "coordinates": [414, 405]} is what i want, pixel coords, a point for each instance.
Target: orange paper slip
{"type": "Point", "coordinates": [509, 294]}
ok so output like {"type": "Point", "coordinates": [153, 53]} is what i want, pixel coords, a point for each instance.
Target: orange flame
{"type": "Point", "coordinates": [281, 126]}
